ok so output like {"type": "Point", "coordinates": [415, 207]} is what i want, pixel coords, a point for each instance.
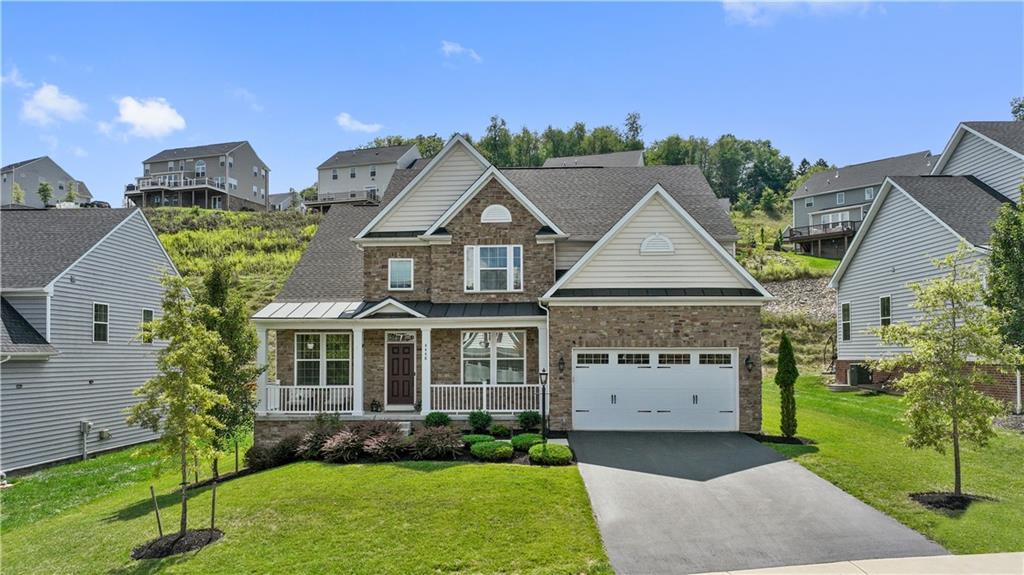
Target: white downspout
{"type": "Point", "coordinates": [1019, 411]}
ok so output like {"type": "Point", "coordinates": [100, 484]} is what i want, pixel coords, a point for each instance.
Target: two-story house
{"type": "Point", "coordinates": [228, 176]}
{"type": "Point", "coordinates": [29, 174]}
{"type": "Point", "coordinates": [359, 175]}
{"type": "Point", "coordinates": [613, 290]}
{"type": "Point", "coordinates": [71, 353]}
{"type": "Point", "coordinates": [915, 220]}
{"type": "Point", "coordinates": [830, 206]}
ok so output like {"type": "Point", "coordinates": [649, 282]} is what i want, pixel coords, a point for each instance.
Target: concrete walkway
{"type": "Point", "coordinates": [988, 564]}
{"type": "Point", "coordinates": [699, 502]}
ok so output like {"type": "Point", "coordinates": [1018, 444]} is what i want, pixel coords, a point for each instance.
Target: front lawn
{"type": "Point", "coordinates": [860, 449]}
{"type": "Point", "coordinates": [313, 517]}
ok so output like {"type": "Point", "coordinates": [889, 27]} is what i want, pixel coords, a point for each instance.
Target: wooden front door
{"type": "Point", "coordinates": [401, 373]}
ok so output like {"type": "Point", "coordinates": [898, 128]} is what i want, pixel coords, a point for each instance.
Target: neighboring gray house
{"type": "Point", "coordinates": [915, 220]}
{"type": "Point", "coordinates": [228, 176]}
{"type": "Point", "coordinates": [30, 173]}
{"type": "Point", "coordinates": [283, 202]}
{"type": "Point", "coordinates": [360, 175]}
{"type": "Point", "coordinates": [829, 207]}
{"type": "Point", "coordinates": [75, 285]}
{"type": "Point", "coordinates": [627, 159]}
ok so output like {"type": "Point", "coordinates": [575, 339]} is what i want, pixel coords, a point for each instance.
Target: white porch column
{"type": "Point", "coordinates": [425, 370]}
{"type": "Point", "coordinates": [261, 360]}
{"type": "Point", "coordinates": [543, 360]}
{"type": "Point", "coordinates": [357, 371]}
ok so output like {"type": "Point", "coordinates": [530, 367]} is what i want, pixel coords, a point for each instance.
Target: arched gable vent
{"type": "Point", "coordinates": [656, 244]}
{"type": "Point", "coordinates": [495, 214]}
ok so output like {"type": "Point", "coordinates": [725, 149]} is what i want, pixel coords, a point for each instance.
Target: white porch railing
{"type": "Point", "coordinates": [508, 398]}
{"type": "Point", "coordinates": [309, 398]}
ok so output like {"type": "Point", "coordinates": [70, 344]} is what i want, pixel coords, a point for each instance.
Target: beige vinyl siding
{"type": "Point", "coordinates": [897, 249]}
{"type": "Point", "coordinates": [620, 265]}
{"type": "Point", "coordinates": [32, 307]}
{"type": "Point", "coordinates": [86, 380]}
{"type": "Point", "coordinates": [434, 194]}
{"type": "Point", "coordinates": [995, 166]}
{"type": "Point", "coordinates": [568, 253]}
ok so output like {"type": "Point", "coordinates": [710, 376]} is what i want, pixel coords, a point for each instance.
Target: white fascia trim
{"type": "Point", "coordinates": [30, 355]}
{"type": "Point", "coordinates": [416, 241]}
{"type": "Point", "coordinates": [45, 290]}
{"type": "Point", "coordinates": [489, 173]}
{"type": "Point", "coordinates": [393, 302]}
{"type": "Point", "coordinates": [652, 301]}
{"type": "Point", "coordinates": [53, 282]}
{"type": "Point", "coordinates": [707, 239]}
{"type": "Point", "coordinates": [456, 140]}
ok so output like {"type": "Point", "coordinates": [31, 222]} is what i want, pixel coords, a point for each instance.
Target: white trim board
{"type": "Point", "coordinates": [657, 191]}
{"type": "Point", "coordinates": [389, 302]}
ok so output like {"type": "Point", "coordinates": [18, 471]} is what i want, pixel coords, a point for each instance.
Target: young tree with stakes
{"type": "Point", "coordinates": [178, 403]}
{"type": "Point", "coordinates": [950, 343]}
{"type": "Point", "coordinates": [785, 378]}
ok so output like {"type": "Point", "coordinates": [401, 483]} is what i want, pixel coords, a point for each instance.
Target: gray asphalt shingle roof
{"type": "Point", "coordinates": [203, 151]}
{"type": "Point", "coordinates": [866, 174]}
{"type": "Point", "coordinates": [16, 165]}
{"type": "Point", "coordinates": [1009, 133]}
{"type": "Point", "coordinates": [37, 245]}
{"type": "Point", "coordinates": [627, 159]}
{"type": "Point", "coordinates": [964, 203]}
{"type": "Point", "coordinates": [366, 156]}
{"type": "Point", "coordinates": [17, 335]}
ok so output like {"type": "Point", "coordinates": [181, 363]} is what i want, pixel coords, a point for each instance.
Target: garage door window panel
{"type": "Point", "coordinates": [715, 359]}
{"type": "Point", "coordinates": [634, 359]}
{"type": "Point", "coordinates": [592, 359]}
{"type": "Point", "coordinates": [673, 359]}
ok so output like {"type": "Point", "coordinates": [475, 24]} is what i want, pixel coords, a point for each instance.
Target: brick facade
{"type": "Point", "coordinates": [1003, 386]}
{"type": "Point", "coordinates": [375, 272]}
{"type": "Point", "coordinates": [676, 326]}
{"type": "Point", "coordinates": [446, 355]}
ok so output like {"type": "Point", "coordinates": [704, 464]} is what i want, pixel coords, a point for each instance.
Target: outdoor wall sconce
{"type": "Point", "coordinates": [749, 363]}
{"type": "Point", "coordinates": [561, 364]}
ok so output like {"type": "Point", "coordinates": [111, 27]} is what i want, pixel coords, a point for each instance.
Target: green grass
{"type": "Point", "coordinates": [821, 267]}
{"type": "Point", "coordinates": [860, 449]}
{"type": "Point", "coordinates": [316, 518]}
{"type": "Point", "coordinates": [757, 235]}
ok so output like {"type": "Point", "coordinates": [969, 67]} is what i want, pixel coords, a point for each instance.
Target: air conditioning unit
{"type": "Point", "coordinates": [858, 375]}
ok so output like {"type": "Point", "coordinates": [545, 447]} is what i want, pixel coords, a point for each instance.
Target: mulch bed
{"type": "Point", "coordinates": [176, 543]}
{"type": "Point", "coordinates": [761, 438]}
{"type": "Point", "coordinates": [940, 501]}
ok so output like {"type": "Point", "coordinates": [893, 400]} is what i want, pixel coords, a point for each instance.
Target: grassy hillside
{"type": "Point", "coordinates": [809, 338]}
{"type": "Point", "coordinates": [263, 247]}
{"type": "Point", "coordinates": [754, 250]}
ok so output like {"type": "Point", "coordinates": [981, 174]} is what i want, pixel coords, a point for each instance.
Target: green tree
{"type": "Point", "coordinates": [45, 192]}
{"type": "Point", "coordinates": [526, 149]}
{"type": "Point", "coordinates": [234, 374]}
{"type": "Point", "coordinates": [1017, 109]}
{"type": "Point", "coordinates": [798, 182]}
{"type": "Point", "coordinates": [634, 132]}
{"type": "Point", "coordinates": [294, 199]}
{"type": "Point", "coordinates": [767, 167]}
{"type": "Point", "coordinates": [675, 151]}
{"type": "Point", "coordinates": [785, 378]}
{"type": "Point", "coordinates": [17, 194]}
{"type": "Point", "coordinates": [951, 343]}
{"type": "Point", "coordinates": [726, 161]}
{"type": "Point", "coordinates": [803, 167]}
{"type": "Point", "coordinates": [178, 402]}
{"type": "Point", "coordinates": [1006, 274]}
{"type": "Point", "coordinates": [743, 205]}
{"type": "Point", "coordinates": [772, 203]}
{"type": "Point", "coordinates": [309, 193]}
{"type": "Point", "coordinates": [72, 192]}
{"type": "Point", "coordinates": [603, 140]}
{"type": "Point", "coordinates": [821, 163]}
{"type": "Point", "coordinates": [496, 145]}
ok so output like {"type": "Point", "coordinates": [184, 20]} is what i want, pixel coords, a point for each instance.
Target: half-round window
{"type": "Point", "coordinates": [656, 244]}
{"type": "Point", "coordinates": [496, 214]}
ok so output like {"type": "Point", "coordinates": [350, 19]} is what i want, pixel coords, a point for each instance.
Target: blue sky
{"type": "Point", "coordinates": [107, 85]}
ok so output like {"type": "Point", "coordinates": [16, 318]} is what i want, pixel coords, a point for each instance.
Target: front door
{"type": "Point", "coordinates": [401, 373]}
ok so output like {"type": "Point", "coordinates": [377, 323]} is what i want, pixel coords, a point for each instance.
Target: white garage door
{"type": "Point", "coordinates": [655, 389]}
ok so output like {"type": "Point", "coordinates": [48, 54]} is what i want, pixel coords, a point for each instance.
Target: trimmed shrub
{"type": "Point", "coordinates": [436, 443]}
{"type": "Point", "coordinates": [528, 420]}
{"type": "Point", "coordinates": [499, 430]}
{"type": "Point", "coordinates": [385, 446]}
{"type": "Point", "coordinates": [322, 428]}
{"type": "Point", "coordinates": [550, 454]}
{"type": "Point", "coordinates": [437, 419]}
{"type": "Point", "coordinates": [524, 441]}
{"type": "Point", "coordinates": [264, 457]}
{"type": "Point", "coordinates": [367, 429]}
{"type": "Point", "coordinates": [343, 447]}
{"type": "Point", "coordinates": [473, 438]}
{"type": "Point", "coordinates": [259, 457]}
{"type": "Point", "coordinates": [492, 451]}
{"type": "Point", "coordinates": [479, 421]}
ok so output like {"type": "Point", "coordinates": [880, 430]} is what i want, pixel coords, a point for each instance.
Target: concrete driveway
{"type": "Point", "coordinates": [700, 502]}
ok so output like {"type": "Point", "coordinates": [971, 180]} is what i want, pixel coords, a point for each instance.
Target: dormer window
{"type": "Point", "coordinates": [656, 244]}
{"type": "Point", "coordinates": [496, 214]}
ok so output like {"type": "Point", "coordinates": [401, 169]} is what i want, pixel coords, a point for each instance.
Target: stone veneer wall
{"type": "Point", "coordinates": [1003, 386]}
{"type": "Point", "coordinates": [651, 326]}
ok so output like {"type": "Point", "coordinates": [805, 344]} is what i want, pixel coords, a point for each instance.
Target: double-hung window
{"type": "Point", "coordinates": [869, 194]}
{"type": "Point", "coordinates": [147, 329]}
{"type": "Point", "coordinates": [885, 310]}
{"type": "Point", "coordinates": [494, 357]}
{"type": "Point", "coordinates": [351, 173]}
{"type": "Point", "coordinates": [845, 321]}
{"type": "Point", "coordinates": [400, 274]}
{"type": "Point", "coordinates": [322, 359]}
{"type": "Point", "coordinates": [809, 202]}
{"type": "Point", "coordinates": [200, 169]}
{"type": "Point", "coordinates": [334, 173]}
{"type": "Point", "coordinates": [373, 171]}
{"type": "Point", "coordinates": [493, 268]}
{"type": "Point", "coordinates": [840, 198]}
{"type": "Point", "coordinates": [100, 322]}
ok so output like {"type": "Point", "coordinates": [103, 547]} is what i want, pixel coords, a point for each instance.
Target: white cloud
{"type": "Point", "coordinates": [79, 152]}
{"type": "Point", "coordinates": [350, 124]}
{"type": "Point", "coordinates": [148, 118]}
{"type": "Point", "coordinates": [760, 13]}
{"type": "Point", "coordinates": [456, 50]}
{"type": "Point", "coordinates": [15, 79]}
{"type": "Point", "coordinates": [49, 104]}
{"type": "Point", "coordinates": [247, 97]}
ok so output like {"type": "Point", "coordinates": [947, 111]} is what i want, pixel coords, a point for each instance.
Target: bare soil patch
{"type": "Point", "coordinates": [176, 543]}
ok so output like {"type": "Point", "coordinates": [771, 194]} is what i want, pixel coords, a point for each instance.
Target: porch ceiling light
{"type": "Point", "coordinates": [310, 345]}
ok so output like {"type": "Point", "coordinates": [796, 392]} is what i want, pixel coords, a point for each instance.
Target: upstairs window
{"type": "Point", "coordinates": [255, 171]}
{"type": "Point", "coordinates": [493, 268]}
{"type": "Point", "coordinates": [147, 329]}
{"type": "Point", "coordinates": [885, 310]}
{"type": "Point", "coordinates": [100, 322]}
{"type": "Point", "coordinates": [200, 169]}
{"type": "Point", "coordinates": [334, 174]}
{"type": "Point", "coordinates": [222, 161]}
{"type": "Point", "coordinates": [373, 171]}
{"type": "Point", "coordinates": [840, 198]}
{"type": "Point", "coordinates": [869, 194]}
{"type": "Point", "coordinates": [170, 166]}
{"type": "Point", "coordinates": [809, 202]}
{"type": "Point", "coordinates": [351, 173]}
{"type": "Point", "coordinates": [400, 274]}
{"type": "Point", "coordinates": [845, 321]}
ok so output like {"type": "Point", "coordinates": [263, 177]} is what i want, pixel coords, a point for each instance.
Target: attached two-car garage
{"type": "Point", "coordinates": [692, 389]}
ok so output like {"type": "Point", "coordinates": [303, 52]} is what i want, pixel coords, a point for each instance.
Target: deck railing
{"type": "Point", "coordinates": [507, 398]}
{"type": "Point", "coordinates": [174, 183]}
{"type": "Point", "coordinates": [309, 398]}
{"type": "Point", "coordinates": [834, 228]}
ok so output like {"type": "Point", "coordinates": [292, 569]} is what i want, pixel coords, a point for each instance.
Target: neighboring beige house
{"type": "Point", "coordinates": [627, 159]}
{"type": "Point", "coordinates": [228, 176]}
{"type": "Point", "coordinates": [30, 173]}
{"type": "Point", "coordinates": [360, 175]}
{"type": "Point", "coordinates": [471, 286]}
